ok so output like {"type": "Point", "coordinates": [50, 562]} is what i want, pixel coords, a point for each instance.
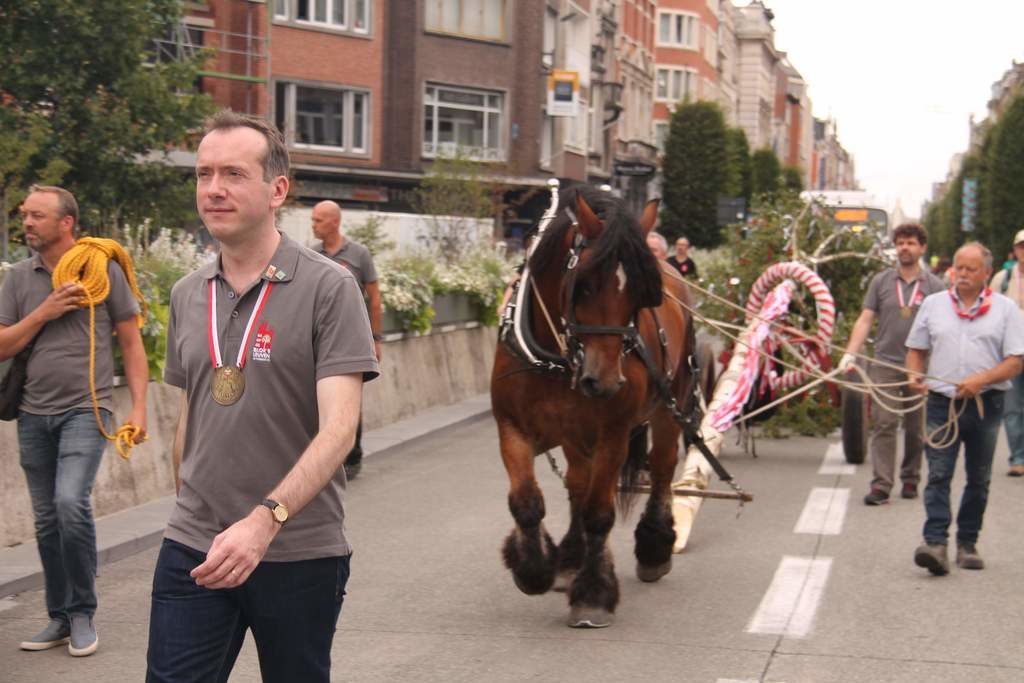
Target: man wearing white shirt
{"type": "Point", "coordinates": [971, 340]}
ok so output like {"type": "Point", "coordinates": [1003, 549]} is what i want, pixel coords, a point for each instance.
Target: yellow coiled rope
{"type": "Point", "coordinates": [86, 264]}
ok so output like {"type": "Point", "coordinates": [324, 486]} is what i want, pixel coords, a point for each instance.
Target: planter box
{"type": "Point", "coordinates": [454, 308]}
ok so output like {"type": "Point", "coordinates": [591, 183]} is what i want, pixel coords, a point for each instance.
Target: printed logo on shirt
{"type": "Point", "coordinates": [264, 340]}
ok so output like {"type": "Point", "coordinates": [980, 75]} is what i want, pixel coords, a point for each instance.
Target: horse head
{"type": "Point", "coordinates": [608, 275]}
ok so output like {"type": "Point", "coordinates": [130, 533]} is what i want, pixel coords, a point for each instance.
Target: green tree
{"type": "Point", "coordinates": [1005, 172]}
{"type": "Point", "coordinates": [766, 174]}
{"type": "Point", "coordinates": [455, 193]}
{"type": "Point", "coordinates": [78, 72]}
{"type": "Point", "coordinates": [737, 168]}
{"type": "Point", "coordinates": [694, 174]}
{"type": "Point", "coordinates": [793, 178]}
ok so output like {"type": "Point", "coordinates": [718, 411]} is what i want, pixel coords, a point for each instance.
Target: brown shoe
{"type": "Point", "coordinates": [1016, 470]}
{"type": "Point", "coordinates": [932, 556]}
{"type": "Point", "coordinates": [909, 491]}
{"type": "Point", "coordinates": [967, 557]}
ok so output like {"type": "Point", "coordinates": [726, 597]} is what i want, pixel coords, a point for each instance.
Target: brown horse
{"type": "Point", "coordinates": [603, 292]}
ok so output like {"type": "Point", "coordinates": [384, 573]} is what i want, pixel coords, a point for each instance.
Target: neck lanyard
{"type": "Point", "coordinates": [212, 326]}
{"type": "Point", "coordinates": [905, 306]}
{"type": "Point", "coordinates": [985, 303]}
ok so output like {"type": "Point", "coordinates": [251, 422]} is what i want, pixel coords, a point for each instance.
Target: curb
{"type": "Point", "coordinates": [140, 528]}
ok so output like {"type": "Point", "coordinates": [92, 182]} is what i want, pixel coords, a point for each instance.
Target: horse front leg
{"type": "Point", "coordinates": [529, 551]}
{"type": "Point", "coordinates": [573, 545]}
{"type": "Point", "coordinates": [595, 592]}
{"type": "Point", "coordinates": [655, 534]}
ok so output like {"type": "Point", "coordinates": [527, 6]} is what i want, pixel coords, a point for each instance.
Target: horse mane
{"type": "Point", "coordinates": [621, 241]}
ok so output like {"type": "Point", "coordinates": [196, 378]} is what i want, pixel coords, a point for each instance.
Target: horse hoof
{"type": "Point", "coordinates": [534, 588]}
{"type": "Point", "coordinates": [589, 617]}
{"type": "Point", "coordinates": [652, 574]}
{"type": "Point", "coordinates": [563, 580]}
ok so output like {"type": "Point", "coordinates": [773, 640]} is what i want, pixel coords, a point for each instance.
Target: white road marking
{"type": "Point", "coordinates": [7, 603]}
{"type": "Point", "coordinates": [823, 512]}
{"type": "Point", "coordinates": [789, 606]}
{"type": "Point", "coordinates": [835, 461]}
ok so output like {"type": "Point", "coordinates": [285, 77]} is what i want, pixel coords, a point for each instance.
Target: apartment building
{"type": "Point", "coordinates": [687, 53]}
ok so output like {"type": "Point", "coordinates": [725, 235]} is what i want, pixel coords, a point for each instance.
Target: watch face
{"type": "Point", "coordinates": [281, 513]}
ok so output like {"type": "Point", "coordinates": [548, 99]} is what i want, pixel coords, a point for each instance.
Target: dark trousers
{"type": "Point", "coordinates": [978, 435]}
{"type": "Point", "coordinates": [355, 456]}
{"type": "Point", "coordinates": [292, 608]}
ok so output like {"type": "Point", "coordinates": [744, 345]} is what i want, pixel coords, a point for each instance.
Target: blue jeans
{"type": "Point", "coordinates": [978, 435]}
{"type": "Point", "coordinates": [1013, 420]}
{"type": "Point", "coordinates": [292, 608]}
{"type": "Point", "coordinates": [60, 455]}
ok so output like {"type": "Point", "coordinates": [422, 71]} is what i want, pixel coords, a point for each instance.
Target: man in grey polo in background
{"type": "Point", "coordinates": [357, 258]}
{"type": "Point", "coordinates": [61, 444]}
{"type": "Point", "coordinates": [893, 297]}
{"type": "Point", "coordinates": [971, 340]}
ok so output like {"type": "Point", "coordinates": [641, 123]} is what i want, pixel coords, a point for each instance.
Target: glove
{"type": "Point", "coordinates": [847, 362]}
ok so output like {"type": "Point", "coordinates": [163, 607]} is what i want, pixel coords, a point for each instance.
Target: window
{"type": "Point", "coordinates": [577, 128]}
{"type": "Point", "coordinates": [675, 84]}
{"type": "Point", "coordinates": [351, 15]}
{"type": "Point", "coordinates": [476, 18]}
{"type": "Point", "coordinates": [463, 120]}
{"type": "Point", "coordinates": [550, 30]}
{"type": "Point", "coordinates": [323, 118]}
{"type": "Point", "coordinates": [678, 29]}
{"type": "Point", "coordinates": [660, 135]}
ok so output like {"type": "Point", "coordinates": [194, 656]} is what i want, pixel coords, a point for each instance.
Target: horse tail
{"type": "Point", "coordinates": [636, 460]}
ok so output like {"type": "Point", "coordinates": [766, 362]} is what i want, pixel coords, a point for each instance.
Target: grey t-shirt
{"type": "Point", "coordinates": [960, 347]}
{"type": "Point", "coordinates": [313, 325]}
{"type": "Point", "coordinates": [883, 300]}
{"type": "Point", "coordinates": [58, 369]}
{"type": "Point", "coordinates": [356, 258]}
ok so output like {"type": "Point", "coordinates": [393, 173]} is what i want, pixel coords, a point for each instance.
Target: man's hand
{"type": "Point", "coordinates": [138, 419]}
{"type": "Point", "coordinates": [846, 363]}
{"type": "Point", "coordinates": [971, 386]}
{"type": "Point", "coordinates": [917, 383]}
{"type": "Point", "coordinates": [376, 348]}
{"type": "Point", "coordinates": [61, 300]}
{"type": "Point", "coordinates": [237, 550]}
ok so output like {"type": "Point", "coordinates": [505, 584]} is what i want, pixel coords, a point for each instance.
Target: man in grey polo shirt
{"type": "Point", "coordinates": [61, 444]}
{"type": "Point", "coordinates": [271, 345]}
{"type": "Point", "coordinates": [894, 296]}
{"type": "Point", "coordinates": [972, 341]}
{"type": "Point", "coordinates": [1010, 281]}
{"type": "Point", "coordinates": [357, 258]}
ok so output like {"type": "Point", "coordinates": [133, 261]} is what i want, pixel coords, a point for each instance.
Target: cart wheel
{"type": "Point", "coordinates": [855, 426]}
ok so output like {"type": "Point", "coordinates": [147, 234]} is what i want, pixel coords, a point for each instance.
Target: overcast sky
{"type": "Point", "coordinates": [901, 78]}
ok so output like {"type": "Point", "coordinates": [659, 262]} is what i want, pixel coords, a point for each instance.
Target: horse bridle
{"type": "Point", "coordinates": [629, 333]}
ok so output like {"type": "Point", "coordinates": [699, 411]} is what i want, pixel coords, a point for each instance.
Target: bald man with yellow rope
{"type": "Point", "coordinates": [65, 415]}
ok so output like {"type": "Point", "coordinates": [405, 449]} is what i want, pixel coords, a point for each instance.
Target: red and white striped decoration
{"type": "Point", "coordinates": [824, 305]}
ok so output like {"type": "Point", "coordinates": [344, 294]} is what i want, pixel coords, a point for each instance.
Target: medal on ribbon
{"type": "Point", "coordinates": [905, 306]}
{"type": "Point", "coordinates": [228, 382]}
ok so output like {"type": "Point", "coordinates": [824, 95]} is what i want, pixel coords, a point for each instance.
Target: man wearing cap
{"type": "Point", "coordinates": [1010, 281]}
{"type": "Point", "coordinates": [894, 296]}
{"type": "Point", "coordinates": [357, 258]}
{"type": "Point", "coordinates": [271, 345]}
{"type": "Point", "coordinates": [971, 340]}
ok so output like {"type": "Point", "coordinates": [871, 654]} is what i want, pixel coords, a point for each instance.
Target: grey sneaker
{"type": "Point", "coordinates": [83, 636]}
{"type": "Point", "coordinates": [967, 557]}
{"type": "Point", "coordinates": [932, 556]}
{"type": "Point", "coordinates": [56, 633]}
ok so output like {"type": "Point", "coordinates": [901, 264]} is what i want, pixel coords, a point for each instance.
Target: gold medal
{"type": "Point", "coordinates": [228, 385]}
{"type": "Point", "coordinates": [905, 312]}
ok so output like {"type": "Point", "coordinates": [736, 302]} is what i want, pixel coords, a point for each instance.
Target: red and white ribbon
{"type": "Point", "coordinates": [213, 336]}
{"type": "Point", "coordinates": [823, 303]}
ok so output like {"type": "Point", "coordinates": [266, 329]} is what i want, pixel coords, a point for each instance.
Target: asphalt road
{"type": "Point", "coordinates": [776, 594]}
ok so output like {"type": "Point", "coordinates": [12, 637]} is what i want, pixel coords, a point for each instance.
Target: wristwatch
{"type": "Point", "coordinates": [279, 511]}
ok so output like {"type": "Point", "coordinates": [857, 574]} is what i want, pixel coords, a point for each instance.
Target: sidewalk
{"type": "Point", "coordinates": [139, 528]}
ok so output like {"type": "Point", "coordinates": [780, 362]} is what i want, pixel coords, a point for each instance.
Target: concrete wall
{"type": "Point", "coordinates": [419, 372]}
